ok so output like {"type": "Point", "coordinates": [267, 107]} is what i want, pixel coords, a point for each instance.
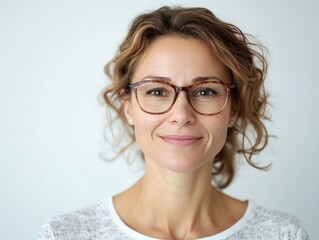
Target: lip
{"type": "Point", "coordinates": [181, 140]}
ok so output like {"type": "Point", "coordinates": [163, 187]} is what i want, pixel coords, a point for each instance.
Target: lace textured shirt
{"type": "Point", "coordinates": [101, 221]}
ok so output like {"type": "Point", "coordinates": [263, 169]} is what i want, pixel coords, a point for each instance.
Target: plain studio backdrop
{"type": "Point", "coordinates": [52, 55]}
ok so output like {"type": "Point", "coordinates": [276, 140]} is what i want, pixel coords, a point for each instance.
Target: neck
{"type": "Point", "coordinates": [175, 203]}
{"type": "Point", "coordinates": [179, 193]}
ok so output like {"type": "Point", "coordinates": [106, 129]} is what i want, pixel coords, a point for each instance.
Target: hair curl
{"type": "Point", "coordinates": [243, 58]}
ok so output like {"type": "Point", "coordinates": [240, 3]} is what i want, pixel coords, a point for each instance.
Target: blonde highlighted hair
{"type": "Point", "coordinates": [243, 58]}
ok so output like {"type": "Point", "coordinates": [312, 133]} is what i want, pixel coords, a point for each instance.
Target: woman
{"type": "Point", "coordinates": [190, 88]}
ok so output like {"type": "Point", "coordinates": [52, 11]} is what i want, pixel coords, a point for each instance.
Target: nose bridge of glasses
{"type": "Point", "coordinates": [181, 89]}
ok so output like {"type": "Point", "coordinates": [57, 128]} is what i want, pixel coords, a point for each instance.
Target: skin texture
{"type": "Point", "coordinates": [175, 199]}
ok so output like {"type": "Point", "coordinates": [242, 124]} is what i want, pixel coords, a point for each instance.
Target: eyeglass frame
{"type": "Point", "coordinates": [229, 88]}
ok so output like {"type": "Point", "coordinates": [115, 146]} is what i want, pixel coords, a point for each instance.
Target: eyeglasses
{"type": "Point", "coordinates": [208, 97]}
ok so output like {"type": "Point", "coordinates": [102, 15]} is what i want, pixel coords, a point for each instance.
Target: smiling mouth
{"type": "Point", "coordinates": [181, 140]}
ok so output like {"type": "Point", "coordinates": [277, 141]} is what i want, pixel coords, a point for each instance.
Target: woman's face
{"type": "Point", "coordinates": [179, 140]}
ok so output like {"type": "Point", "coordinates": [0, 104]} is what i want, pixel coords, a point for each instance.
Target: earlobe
{"type": "Point", "coordinates": [233, 118]}
{"type": "Point", "coordinates": [127, 107]}
{"type": "Point", "coordinates": [231, 123]}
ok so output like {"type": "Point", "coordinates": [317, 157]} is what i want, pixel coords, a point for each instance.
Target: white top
{"type": "Point", "coordinates": [101, 221]}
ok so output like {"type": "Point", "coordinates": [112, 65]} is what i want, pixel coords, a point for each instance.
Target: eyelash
{"type": "Point", "coordinates": [156, 90]}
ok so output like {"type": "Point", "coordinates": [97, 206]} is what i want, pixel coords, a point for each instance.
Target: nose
{"type": "Point", "coordinates": [181, 113]}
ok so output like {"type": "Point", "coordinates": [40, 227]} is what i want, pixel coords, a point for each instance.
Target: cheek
{"type": "Point", "coordinates": [217, 128]}
{"type": "Point", "coordinates": [218, 133]}
{"type": "Point", "coordinates": [144, 127]}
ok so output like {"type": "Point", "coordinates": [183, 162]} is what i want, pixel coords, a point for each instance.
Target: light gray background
{"type": "Point", "coordinates": [52, 55]}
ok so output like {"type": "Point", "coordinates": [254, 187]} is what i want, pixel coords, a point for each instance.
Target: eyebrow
{"type": "Point", "coordinates": [167, 79]}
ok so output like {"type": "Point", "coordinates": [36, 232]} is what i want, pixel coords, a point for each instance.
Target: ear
{"type": "Point", "coordinates": [233, 116]}
{"type": "Point", "coordinates": [127, 106]}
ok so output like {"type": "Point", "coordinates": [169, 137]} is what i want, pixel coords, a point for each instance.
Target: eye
{"type": "Point", "coordinates": [158, 92]}
{"type": "Point", "coordinates": [202, 92]}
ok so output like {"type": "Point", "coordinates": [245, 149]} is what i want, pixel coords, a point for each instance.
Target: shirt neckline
{"type": "Point", "coordinates": [224, 234]}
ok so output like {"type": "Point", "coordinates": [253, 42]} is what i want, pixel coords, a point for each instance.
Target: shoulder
{"type": "Point", "coordinates": [91, 222]}
{"type": "Point", "coordinates": [269, 224]}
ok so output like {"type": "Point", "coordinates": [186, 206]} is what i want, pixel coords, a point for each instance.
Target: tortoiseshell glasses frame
{"type": "Point", "coordinates": [188, 89]}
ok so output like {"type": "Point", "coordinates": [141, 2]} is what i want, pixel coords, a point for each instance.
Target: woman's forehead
{"type": "Point", "coordinates": [177, 57]}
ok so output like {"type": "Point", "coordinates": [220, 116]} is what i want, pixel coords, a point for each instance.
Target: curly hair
{"type": "Point", "coordinates": [244, 59]}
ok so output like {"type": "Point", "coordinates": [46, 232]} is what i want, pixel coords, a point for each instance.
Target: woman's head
{"type": "Point", "coordinates": [243, 67]}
